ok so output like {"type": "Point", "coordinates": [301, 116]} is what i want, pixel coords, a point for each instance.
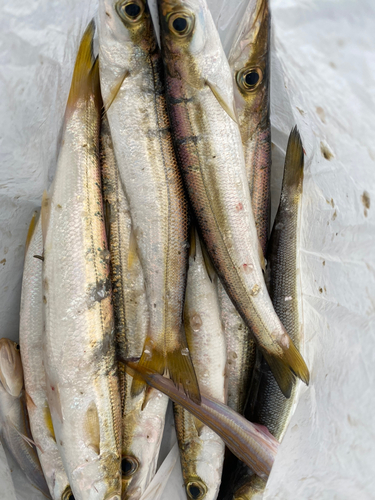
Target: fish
{"type": "Point", "coordinates": [249, 63]}
{"type": "Point", "coordinates": [132, 83]}
{"type": "Point", "coordinates": [79, 350]}
{"type": "Point", "coordinates": [14, 425]}
{"type": "Point", "coordinates": [209, 150]}
{"type": "Point", "coordinates": [201, 449]}
{"type": "Point", "coordinates": [143, 415]}
{"type": "Point", "coordinates": [250, 67]}
{"type": "Point", "coordinates": [251, 443]}
{"type": "Point", "coordinates": [31, 338]}
{"type": "Point", "coordinates": [249, 60]}
{"type": "Point", "coordinates": [271, 408]}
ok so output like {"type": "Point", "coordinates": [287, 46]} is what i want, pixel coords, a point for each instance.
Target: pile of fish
{"type": "Point", "coordinates": [150, 273]}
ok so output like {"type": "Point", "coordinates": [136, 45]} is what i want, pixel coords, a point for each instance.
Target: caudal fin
{"type": "Point", "coordinates": [85, 80]}
{"type": "Point", "coordinates": [176, 363]}
{"type": "Point", "coordinates": [287, 367]}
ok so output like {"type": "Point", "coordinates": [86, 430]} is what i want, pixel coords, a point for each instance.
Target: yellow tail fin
{"type": "Point", "coordinates": [85, 80]}
{"type": "Point", "coordinates": [287, 367]}
{"type": "Point", "coordinates": [177, 363]}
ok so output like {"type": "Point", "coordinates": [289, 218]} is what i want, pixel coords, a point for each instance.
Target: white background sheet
{"type": "Point", "coordinates": [323, 79]}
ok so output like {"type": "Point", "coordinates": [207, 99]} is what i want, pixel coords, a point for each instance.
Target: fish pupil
{"type": "Point", "coordinates": [180, 24]}
{"type": "Point", "coordinates": [194, 492]}
{"type": "Point", "coordinates": [132, 9]}
{"type": "Point", "coordinates": [71, 497]}
{"type": "Point", "coordinates": [129, 466]}
{"type": "Point", "coordinates": [252, 78]}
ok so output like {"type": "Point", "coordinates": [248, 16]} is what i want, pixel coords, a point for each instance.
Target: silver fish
{"type": "Point", "coordinates": [79, 356]}
{"type": "Point", "coordinates": [14, 425]}
{"type": "Point", "coordinates": [31, 343]}
{"type": "Point", "coordinates": [209, 149]}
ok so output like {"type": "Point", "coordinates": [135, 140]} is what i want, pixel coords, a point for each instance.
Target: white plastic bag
{"type": "Point", "coordinates": [323, 80]}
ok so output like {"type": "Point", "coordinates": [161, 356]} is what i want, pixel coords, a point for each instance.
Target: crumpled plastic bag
{"type": "Point", "coordinates": [323, 80]}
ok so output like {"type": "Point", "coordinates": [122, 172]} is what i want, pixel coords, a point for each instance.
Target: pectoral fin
{"type": "Point", "coordinates": [92, 428]}
{"type": "Point", "coordinates": [227, 106]}
{"type": "Point", "coordinates": [114, 91]}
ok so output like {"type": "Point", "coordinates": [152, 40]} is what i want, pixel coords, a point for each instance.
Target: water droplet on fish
{"type": "Point", "coordinates": [287, 298]}
{"type": "Point", "coordinates": [248, 268]}
{"type": "Point", "coordinates": [185, 351]}
{"type": "Point", "coordinates": [255, 290]}
{"type": "Point", "coordinates": [196, 322]}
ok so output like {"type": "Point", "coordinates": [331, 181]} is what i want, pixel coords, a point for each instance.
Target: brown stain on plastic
{"type": "Point", "coordinates": [365, 198]}
{"type": "Point", "coordinates": [327, 154]}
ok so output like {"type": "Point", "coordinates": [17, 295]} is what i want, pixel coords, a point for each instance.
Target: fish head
{"type": "Point", "coordinates": [202, 474]}
{"type": "Point", "coordinates": [126, 35]}
{"type": "Point", "coordinates": [191, 46]}
{"type": "Point", "coordinates": [249, 61]}
{"type": "Point", "coordinates": [11, 373]}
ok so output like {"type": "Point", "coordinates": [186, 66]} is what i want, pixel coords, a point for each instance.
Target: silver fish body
{"type": "Point", "coordinates": [14, 425]}
{"type": "Point", "coordinates": [79, 355]}
{"type": "Point", "coordinates": [133, 91]}
{"type": "Point", "coordinates": [31, 344]}
{"type": "Point", "coordinates": [142, 427]}
{"type": "Point", "coordinates": [201, 449]}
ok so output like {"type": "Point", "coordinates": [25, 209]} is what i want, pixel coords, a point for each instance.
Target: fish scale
{"type": "Point", "coordinates": [79, 354]}
{"type": "Point", "coordinates": [209, 149]}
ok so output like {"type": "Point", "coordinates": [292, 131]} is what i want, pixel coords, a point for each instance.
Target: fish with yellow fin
{"type": "Point", "coordinates": [31, 344]}
{"type": "Point", "coordinates": [79, 348]}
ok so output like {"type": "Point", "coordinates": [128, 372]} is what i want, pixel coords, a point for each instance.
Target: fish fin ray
{"type": "Point", "coordinates": [151, 359]}
{"type": "Point", "coordinates": [227, 107]}
{"type": "Point", "coordinates": [287, 367]}
{"type": "Point", "coordinates": [27, 439]}
{"type": "Point", "coordinates": [114, 91]}
{"type": "Point", "coordinates": [207, 262]}
{"type": "Point", "coordinates": [132, 255]}
{"type": "Point", "coordinates": [82, 73]}
{"type": "Point", "coordinates": [31, 230]}
{"type": "Point", "coordinates": [294, 160]}
{"type": "Point", "coordinates": [181, 371]}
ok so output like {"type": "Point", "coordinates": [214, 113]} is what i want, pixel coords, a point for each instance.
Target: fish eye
{"type": "Point", "coordinates": [196, 490]}
{"type": "Point", "coordinates": [130, 10]}
{"type": "Point", "coordinates": [248, 79]}
{"type": "Point", "coordinates": [181, 23]}
{"type": "Point", "coordinates": [129, 465]}
{"type": "Point", "coordinates": [17, 347]}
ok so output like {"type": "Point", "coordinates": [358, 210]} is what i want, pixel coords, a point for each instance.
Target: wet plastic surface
{"type": "Point", "coordinates": [323, 80]}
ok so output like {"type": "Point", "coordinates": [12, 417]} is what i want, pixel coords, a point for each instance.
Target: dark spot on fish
{"type": "Point", "coordinates": [98, 292]}
{"type": "Point", "coordinates": [107, 14]}
{"type": "Point", "coordinates": [44, 299]}
{"type": "Point", "coordinates": [3, 262]}
{"type": "Point", "coordinates": [61, 443]}
{"type": "Point", "coordinates": [155, 305]}
{"type": "Point", "coordinates": [366, 202]}
{"type": "Point", "coordinates": [52, 387]}
{"type": "Point", "coordinates": [58, 205]}
{"type": "Point", "coordinates": [239, 207]}
{"type": "Point", "coordinates": [186, 140]}
{"type": "Point", "coordinates": [326, 152]}
{"type": "Point", "coordinates": [214, 157]}
{"type": "Point", "coordinates": [179, 100]}
{"type": "Point", "coordinates": [84, 145]}
{"type": "Point", "coordinates": [324, 262]}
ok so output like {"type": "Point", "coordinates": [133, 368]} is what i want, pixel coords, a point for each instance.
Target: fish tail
{"type": "Point", "coordinates": [85, 80]}
{"type": "Point", "coordinates": [181, 371]}
{"type": "Point", "coordinates": [294, 160]}
{"type": "Point", "coordinates": [177, 363]}
{"type": "Point", "coordinates": [287, 367]}
{"type": "Point", "coordinates": [151, 359]}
